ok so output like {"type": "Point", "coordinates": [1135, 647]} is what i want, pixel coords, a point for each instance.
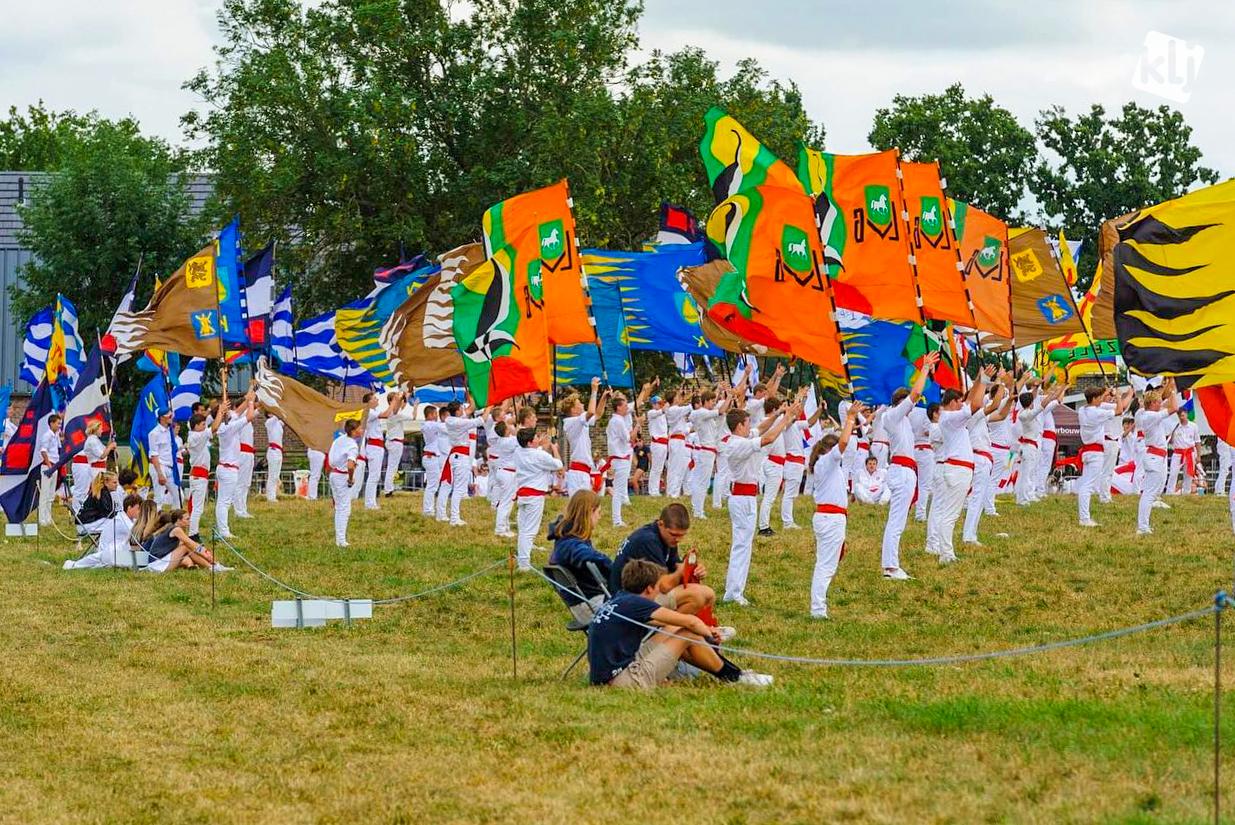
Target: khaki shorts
{"type": "Point", "coordinates": [652, 665]}
{"type": "Point", "coordinates": [668, 600]}
{"type": "Point", "coordinates": [584, 611]}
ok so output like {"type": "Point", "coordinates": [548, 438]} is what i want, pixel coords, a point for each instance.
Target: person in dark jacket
{"type": "Point", "coordinates": [571, 534]}
{"type": "Point", "coordinates": [100, 503]}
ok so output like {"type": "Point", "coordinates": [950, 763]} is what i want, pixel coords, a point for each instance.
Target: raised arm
{"type": "Point", "coordinates": [851, 421]}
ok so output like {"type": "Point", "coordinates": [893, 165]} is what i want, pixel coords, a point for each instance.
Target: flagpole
{"type": "Point", "coordinates": [912, 258]}
{"type": "Point", "coordinates": [1077, 309]}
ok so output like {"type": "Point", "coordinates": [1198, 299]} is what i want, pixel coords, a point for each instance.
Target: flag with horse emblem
{"type": "Point", "coordinates": [501, 329]}
{"type": "Point", "coordinates": [778, 295]}
{"type": "Point", "coordinates": [984, 246]}
{"type": "Point", "coordinates": [936, 254]}
{"type": "Point", "coordinates": [858, 206]}
{"type": "Point", "coordinates": [1042, 303]}
{"type": "Point", "coordinates": [539, 227]}
{"type": "Point", "coordinates": [182, 316]}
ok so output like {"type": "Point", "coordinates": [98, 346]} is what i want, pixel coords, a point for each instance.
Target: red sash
{"type": "Point", "coordinates": [1158, 451]}
{"type": "Point", "coordinates": [906, 462]}
{"type": "Point", "coordinates": [1029, 441]}
{"type": "Point", "coordinates": [777, 459]}
{"type": "Point", "coordinates": [579, 467]}
{"type": "Point", "coordinates": [795, 459]}
{"type": "Point", "coordinates": [661, 440]}
{"type": "Point", "coordinates": [831, 509]}
{"type": "Point", "coordinates": [1188, 455]}
{"type": "Point", "coordinates": [526, 492]}
{"type": "Point", "coordinates": [274, 446]}
{"type": "Point", "coordinates": [741, 489]}
{"type": "Point", "coordinates": [985, 455]}
{"type": "Point", "coordinates": [199, 472]}
{"type": "Point", "coordinates": [1090, 448]}
{"type": "Point", "coordinates": [956, 462]}
{"type": "Point", "coordinates": [225, 465]}
{"type": "Point", "coordinates": [374, 442]}
{"type": "Point", "coordinates": [246, 448]}
{"type": "Point", "coordinates": [678, 437]}
{"type": "Point", "coordinates": [1050, 434]}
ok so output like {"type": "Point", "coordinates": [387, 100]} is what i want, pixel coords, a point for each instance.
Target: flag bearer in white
{"type": "Point", "coordinates": [1047, 448]}
{"type": "Point", "coordinates": [274, 456]}
{"type": "Point", "coordinates": [91, 461]}
{"type": "Point", "coordinates": [164, 451]}
{"type": "Point", "coordinates": [502, 468]}
{"type": "Point", "coordinates": [1030, 420]}
{"type": "Point", "coordinates": [829, 486]}
{"type": "Point", "coordinates": [432, 458]}
{"type": "Point", "coordinates": [49, 453]}
{"type": "Point", "coordinates": [375, 445]}
{"type": "Point", "coordinates": [678, 419]}
{"type": "Point", "coordinates": [794, 438]}
{"type": "Point", "coordinates": [707, 424]}
{"type": "Point", "coordinates": [658, 432]}
{"type": "Point", "coordinates": [227, 473]}
{"type": "Point", "coordinates": [343, 459]}
{"type": "Point", "coordinates": [1184, 438]}
{"type": "Point", "coordinates": [955, 474]}
{"type": "Point", "coordinates": [1101, 406]}
{"type": "Point", "coordinates": [773, 472]}
{"type": "Point", "coordinates": [317, 461]}
{"type": "Point", "coordinates": [998, 407]}
{"type": "Point", "coordinates": [199, 467]}
{"type": "Point", "coordinates": [1152, 420]}
{"type": "Point", "coordinates": [536, 461]}
{"type": "Point", "coordinates": [617, 435]}
{"type": "Point", "coordinates": [244, 477]}
{"type": "Point", "coordinates": [1224, 467]}
{"type": "Point", "coordinates": [1110, 455]}
{"type": "Point", "coordinates": [460, 430]}
{"type": "Point", "coordinates": [924, 458]}
{"type": "Point", "coordinates": [745, 457]}
{"type": "Point", "coordinates": [902, 478]}
{"type": "Point", "coordinates": [577, 426]}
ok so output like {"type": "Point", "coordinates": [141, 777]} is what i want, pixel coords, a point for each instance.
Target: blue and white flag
{"type": "Point", "coordinates": [188, 389]}
{"type": "Point", "coordinates": [739, 365]}
{"type": "Point", "coordinates": [36, 345]}
{"type": "Point", "coordinates": [20, 462]}
{"type": "Point", "coordinates": [282, 334]}
{"type": "Point", "coordinates": [439, 394]}
{"type": "Point", "coordinates": [318, 352]}
{"type": "Point", "coordinates": [685, 364]}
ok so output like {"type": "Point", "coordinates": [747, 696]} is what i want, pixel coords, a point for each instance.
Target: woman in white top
{"type": "Point", "coordinates": [829, 487]}
{"type": "Point", "coordinates": [91, 461]}
{"type": "Point", "coordinates": [343, 457]}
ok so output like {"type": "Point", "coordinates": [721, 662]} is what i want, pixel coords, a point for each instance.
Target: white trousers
{"type": "Point", "coordinates": [227, 479]}
{"type": "Point", "coordinates": [659, 453]}
{"type": "Point", "coordinates": [1177, 465]}
{"type": "Point", "coordinates": [720, 485]}
{"type": "Point", "coordinates": [793, 485]}
{"type": "Point", "coordinates": [244, 480]}
{"type": "Point", "coordinates": [1110, 457]}
{"type": "Point", "coordinates": [274, 471]}
{"type": "Point", "coordinates": [742, 521]}
{"type": "Point", "coordinates": [700, 478]}
{"type": "Point", "coordinates": [880, 451]}
{"type": "Point", "coordinates": [341, 493]}
{"type": "Point", "coordinates": [531, 510]}
{"type": "Point", "coordinates": [1224, 470]}
{"type": "Point", "coordinates": [317, 460]}
{"type": "Point", "coordinates": [951, 488]}
{"type": "Point", "coordinates": [577, 480]}
{"type": "Point", "coordinates": [460, 480]}
{"type": "Point", "coordinates": [1025, 474]}
{"type": "Point", "coordinates": [82, 474]}
{"type": "Point", "coordinates": [979, 492]}
{"type": "Point", "coordinates": [47, 496]}
{"type": "Point", "coordinates": [433, 482]}
{"type": "Point", "coordinates": [394, 457]}
{"type": "Point", "coordinates": [1047, 448]}
{"type": "Point", "coordinates": [1091, 472]}
{"type": "Point", "coordinates": [902, 482]}
{"type": "Point", "coordinates": [773, 475]}
{"type": "Point", "coordinates": [621, 489]}
{"type": "Point", "coordinates": [829, 541]}
{"type": "Point", "coordinates": [679, 460]}
{"type": "Point", "coordinates": [198, 490]}
{"type": "Point", "coordinates": [373, 458]}
{"type": "Point", "coordinates": [503, 489]}
{"type": "Point", "coordinates": [1000, 472]}
{"type": "Point", "coordinates": [926, 472]}
{"type": "Point", "coordinates": [358, 475]}
{"type": "Point", "coordinates": [1151, 489]}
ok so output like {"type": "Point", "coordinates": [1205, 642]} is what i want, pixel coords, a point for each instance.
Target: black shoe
{"type": "Point", "coordinates": [767, 531]}
{"type": "Point", "coordinates": [390, 494]}
{"type": "Point", "coordinates": [197, 537]}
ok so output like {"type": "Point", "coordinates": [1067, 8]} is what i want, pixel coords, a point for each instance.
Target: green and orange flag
{"type": "Point", "coordinates": [936, 255]}
{"type": "Point", "coordinates": [501, 328]}
{"type": "Point", "coordinates": [858, 208]}
{"type": "Point", "coordinates": [984, 253]}
{"type": "Point", "coordinates": [735, 160]}
{"type": "Point", "coordinates": [539, 227]}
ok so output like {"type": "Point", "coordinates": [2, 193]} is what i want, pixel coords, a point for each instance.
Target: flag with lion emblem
{"type": "Point", "coordinates": [182, 316]}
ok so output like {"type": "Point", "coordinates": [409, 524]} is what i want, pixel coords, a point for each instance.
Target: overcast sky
{"type": "Point", "coordinates": [131, 56]}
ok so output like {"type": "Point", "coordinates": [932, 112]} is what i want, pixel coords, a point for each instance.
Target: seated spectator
{"type": "Point", "coordinates": [114, 534]}
{"type": "Point", "coordinates": [623, 652]}
{"type": "Point", "coordinates": [100, 503]}
{"type": "Point", "coordinates": [658, 543]}
{"type": "Point", "coordinates": [170, 546]}
{"type": "Point", "coordinates": [871, 486]}
{"type": "Point", "coordinates": [146, 523]}
{"type": "Point", "coordinates": [571, 534]}
{"type": "Point", "coordinates": [128, 483]}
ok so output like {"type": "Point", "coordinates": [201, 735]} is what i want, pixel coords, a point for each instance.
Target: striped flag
{"type": "Point", "coordinates": [108, 343]}
{"type": "Point", "coordinates": [188, 389]}
{"type": "Point", "coordinates": [36, 344]}
{"type": "Point", "coordinates": [318, 352]}
{"type": "Point", "coordinates": [282, 334]}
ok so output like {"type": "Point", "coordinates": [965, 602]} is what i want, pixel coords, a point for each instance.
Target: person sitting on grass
{"type": "Point", "coordinates": [571, 534]}
{"type": "Point", "coordinates": [145, 525]}
{"type": "Point", "coordinates": [170, 546]}
{"type": "Point", "coordinates": [623, 652]}
{"type": "Point", "coordinates": [99, 505]}
{"type": "Point", "coordinates": [114, 536]}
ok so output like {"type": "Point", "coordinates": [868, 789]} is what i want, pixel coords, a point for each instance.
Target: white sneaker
{"type": "Point", "coordinates": [932, 551]}
{"type": "Point", "coordinates": [68, 564]}
{"type": "Point", "coordinates": [525, 565]}
{"type": "Point", "coordinates": [819, 614]}
{"type": "Point", "coordinates": [458, 524]}
{"type": "Point", "coordinates": [973, 543]}
{"type": "Point", "coordinates": [699, 517]}
{"type": "Point", "coordinates": [341, 544]}
{"type": "Point", "coordinates": [749, 677]}
{"type": "Point", "coordinates": [741, 601]}
{"type": "Point", "coordinates": [727, 632]}
{"type": "Point", "coordinates": [992, 514]}
{"type": "Point", "coordinates": [897, 575]}
{"type": "Point", "coordinates": [506, 535]}
{"type": "Point", "coordinates": [791, 527]}
{"type": "Point", "coordinates": [948, 559]}
{"type": "Point", "coordinates": [1161, 505]}
{"type": "Point", "coordinates": [619, 524]}
{"type": "Point", "coordinates": [1149, 532]}
{"type": "Point", "coordinates": [1090, 523]}
{"type": "Point", "coordinates": [222, 568]}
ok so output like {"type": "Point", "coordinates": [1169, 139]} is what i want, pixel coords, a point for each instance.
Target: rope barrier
{"type": "Point", "coordinates": [1218, 605]}
{"type": "Point", "coordinates": [388, 601]}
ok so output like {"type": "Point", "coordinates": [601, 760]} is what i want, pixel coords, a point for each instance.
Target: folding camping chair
{"type": "Point", "coordinates": [565, 580]}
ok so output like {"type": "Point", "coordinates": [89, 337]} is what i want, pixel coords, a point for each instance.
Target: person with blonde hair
{"type": "Point", "coordinates": [91, 461]}
{"type": "Point", "coordinates": [99, 504]}
{"type": "Point", "coordinates": [573, 550]}
{"type": "Point", "coordinates": [1152, 420]}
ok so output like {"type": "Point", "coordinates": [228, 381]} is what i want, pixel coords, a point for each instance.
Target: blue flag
{"type": "Point", "coordinates": [580, 363]}
{"type": "Point", "coordinates": [89, 402]}
{"type": "Point", "coordinates": [879, 361]}
{"type": "Point", "coordinates": [232, 309]}
{"type": "Point", "coordinates": [188, 389]}
{"type": "Point", "coordinates": [282, 336]}
{"type": "Point", "coordinates": [20, 463]}
{"type": "Point", "coordinates": [145, 418]}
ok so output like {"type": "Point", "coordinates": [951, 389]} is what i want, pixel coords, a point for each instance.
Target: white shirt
{"type": "Point", "coordinates": [246, 434]}
{"type": "Point", "coordinates": [396, 425]}
{"type": "Point", "coordinates": [1001, 432]}
{"type": "Point", "coordinates": [199, 449]}
{"type": "Point", "coordinates": [792, 438]}
{"type": "Point", "coordinates": [372, 427]}
{"type": "Point", "coordinates": [229, 434]}
{"type": "Point", "coordinates": [161, 446]}
{"type": "Point", "coordinates": [754, 408]}
{"type": "Point", "coordinates": [658, 424]}
{"type": "Point", "coordinates": [434, 432]}
{"type": "Point", "coordinates": [677, 418]}
{"type": "Point", "coordinates": [920, 424]}
{"type": "Point", "coordinates": [1093, 419]}
{"type": "Point", "coordinates": [979, 431]}
{"type": "Point", "coordinates": [617, 434]}
{"type": "Point", "coordinates": [872, 483]}
{"type": "Point", "coordinates": [534, 469]}
{"type": "Point", "coordinates": [1185, 436]}
{"type": "Point", "coordinates": [1127, 448]}
{"type": "Point", "coordinates": [482, 484]}
{"type": "Point", "coordinates": [578, 431]}
{"type": "Point", "coordinates": [899, 430]}
{"type": "Point", "coordinates": [343, 450]}
{"type": "Point", "coordinates": [954, 425]}
{"type": "Point", "coordinates": [503, 448]}
{"type": "Point", "coordinates": [93, 449]}
{"type": "Point", "coordinates": [1152, 425]}
{"type": "Point", "coordinates": [707, 424]}
{"type": "Point", "coordinates": [274, 431]}
{"type": "Point", "coordinates": [49, 446]}
{"type": "Point", "coordinates": [828, 481]}
{"type": "Point", "coordinates": [745, 457]}
{"type": "Point", "coordinates": [459, 430]}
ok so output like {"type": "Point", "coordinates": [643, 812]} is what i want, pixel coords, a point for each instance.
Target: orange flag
{"type": "Point", "coordinates": [984, 252]}
{"type": "Point", "coordinates": [540, 227]}
{"type": "Point", "coordinates": [936, 258]}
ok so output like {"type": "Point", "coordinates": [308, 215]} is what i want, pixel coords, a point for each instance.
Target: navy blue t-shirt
{"type": "Point", "coordinates": [644, 543]}
{"type": "Point", "coordinates": [613, 642]}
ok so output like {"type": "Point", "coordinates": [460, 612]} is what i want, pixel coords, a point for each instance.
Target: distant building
{"type": "Point", "coordinates": [15, 190]}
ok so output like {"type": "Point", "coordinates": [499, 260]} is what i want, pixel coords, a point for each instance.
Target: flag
{"type": "Point", "coordinates": [317, 353]}
{"type": "Point", "coordinates": [282, 334]}
{"type": "Point", "coordinates": [685, 364]}
{"type": "Point", "coordinates": [580, 363]}
{"type": "Point", "coordinates": [20, 462]}
{"type": "Point", "coordinates": [150, 403]}
{"type": "Point", "coordinates": [659, 313]}
{"type": "Point", "coordinates": [539, 228]}
{"type": "Point", "coordinates": [1067, 258]}
{"type": "Point", "coordinates": [1042, 303]}
{"type": "Point", "coordinates": [1070, 357]}
{"type": "Point", "coordinates": [501, 329]}
{"type": "Point", "coordinates": [739, 368]}
{"type": "Point", "coordinates": [935, 336]}
{"type": "Point", "coordinates": [258, 289]}
{"type": "Point", "coordinates": [89, 402]}
{"type": "Point", "coordinates": [35, 345]}
{"type": "Point", "coordinates": [1175, 287]}
{"type": "Point", "coordinates": [182, 316]}
{"type": "Point", "coordinates": [64, 352]}
{"type": "Point", "coordinates": [736, 161]}
{"type": "Point", "coordinates": [188, 389]}
{"type": "Point", "coordinates": [1103, 323]}
{"type": "Point", "coordinates": [677, 226]}
{"type": "Point", "coordinates": [311, 415]}
{"type": "Point", "coordinates": [983, 247]}
{"type": "Point", "coordinates": [1218, 402]}
{"type": "Point", "coordinates": [778, 295]}
{"type": "Point", "coordinates": [701, 283]}
{"type": "Point", "coordinates": [886, 355]}
{"type": "Point", "coordinates": [932, 239]}
{"type": "Point", "coordinates": [108, 342]}
{"type": "Point", "coordinates": [858, 205]}
{"type": "Point", "coordinates": [418, 338]}
{"type": "Point", "coordinates": [358, 327]}
{"type": "Point", "coordinates": [438, 394]}
{"type": "Point", "coordinates": [383, 276]}
{"type": "Point", "coordinates": [6, 398]}
{"type": "Point", "coordinates": [230, 285]}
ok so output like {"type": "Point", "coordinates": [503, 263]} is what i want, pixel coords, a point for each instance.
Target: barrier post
{"type": "Point", "coordinates": [514, 652]}
{"type": "Point", "coordinates": [1219, 605]}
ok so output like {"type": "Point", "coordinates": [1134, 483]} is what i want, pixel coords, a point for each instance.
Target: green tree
{"type": "Point", "coordinates": [1100, 168]}
{"type": "Point", "coordinates": [984, 153]}
{"type": "Point", "coordinates": [36, 141]}
{"type": "Point", "coordinates": [117, 198]}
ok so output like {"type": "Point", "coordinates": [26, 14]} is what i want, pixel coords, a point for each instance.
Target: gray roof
{"type": "Point", "coordinates": [16, 186]}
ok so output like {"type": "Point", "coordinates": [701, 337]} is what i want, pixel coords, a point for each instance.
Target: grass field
{"type": "Point", "coordinates": [127, 698]}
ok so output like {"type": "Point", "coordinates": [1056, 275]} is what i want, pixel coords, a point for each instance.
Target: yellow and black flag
{"type": "Point", "coordinates": [1175, 287]}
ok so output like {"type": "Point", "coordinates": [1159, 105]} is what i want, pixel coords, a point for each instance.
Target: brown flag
{"type": "Point", "coordinates": [313, 416]}
{"type": "Point", "coordinates": [700, 282]}
{"type": "Point", "coordinates": [419, 337]}
{"type": "Point", "coordinates": [1042, 303]}
{"type": "Point", "coordinates": [183, 315]}
{"type": "Point", "coordinates": [1103, 317]}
